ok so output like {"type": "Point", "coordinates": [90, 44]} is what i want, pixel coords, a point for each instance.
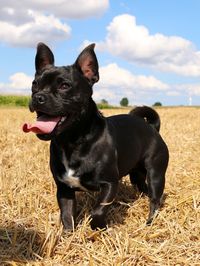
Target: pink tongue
{"type": "Point", "coordinates": [43, 125]}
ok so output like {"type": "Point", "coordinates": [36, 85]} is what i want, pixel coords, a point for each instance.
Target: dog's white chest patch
{"type": "Point", "coordinates": [68, 177]}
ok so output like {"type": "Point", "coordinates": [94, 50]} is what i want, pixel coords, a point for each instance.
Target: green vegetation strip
{"type": "Point", "coordinates": [19, 100]}
{"type": "Point", "coordinates": [12, 100]}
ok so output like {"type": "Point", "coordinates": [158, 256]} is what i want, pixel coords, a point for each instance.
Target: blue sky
{"type": "Point", "coordinates": [148, 51]}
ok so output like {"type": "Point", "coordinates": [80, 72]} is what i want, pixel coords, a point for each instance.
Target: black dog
{"type": "Point", "coordinates": [89, 151]}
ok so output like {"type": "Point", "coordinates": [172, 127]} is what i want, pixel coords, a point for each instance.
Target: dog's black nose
{"type": "Point", "coordinates": [40, 99]}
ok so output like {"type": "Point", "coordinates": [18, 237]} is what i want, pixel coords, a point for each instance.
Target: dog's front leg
{"type": "Point", "coordinates": [106, 198]}
{"type": "Point", "coordinates": [67, 203]}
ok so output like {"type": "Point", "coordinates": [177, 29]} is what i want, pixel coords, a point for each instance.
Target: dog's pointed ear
{"type": "Point", "coordinates": [44, 57]}
{"type": "Point", "coordinates": [87, 63]}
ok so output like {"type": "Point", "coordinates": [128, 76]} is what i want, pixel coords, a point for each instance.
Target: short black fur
{"type": "Point", "coordinates": [89, 151]}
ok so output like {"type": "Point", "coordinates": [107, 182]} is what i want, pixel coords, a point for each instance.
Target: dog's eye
{"type": "Point", "coordinates": [64, 86]}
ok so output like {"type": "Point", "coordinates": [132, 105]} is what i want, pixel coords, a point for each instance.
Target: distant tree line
{"type": "Point", "coordinates": [124, 102]}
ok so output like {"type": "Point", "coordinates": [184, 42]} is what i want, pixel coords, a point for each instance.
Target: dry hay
{"type": "Point", "coordinates": [30, 230]}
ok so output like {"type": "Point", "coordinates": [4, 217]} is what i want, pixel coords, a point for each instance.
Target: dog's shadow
{"type": "Point", "coordinates": [126, 196]}
{"type": "Point", "coordinates": [117, 214]}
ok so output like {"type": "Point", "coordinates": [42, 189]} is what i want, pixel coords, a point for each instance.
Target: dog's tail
{"type": "Point", "coordinates": [148, 114]}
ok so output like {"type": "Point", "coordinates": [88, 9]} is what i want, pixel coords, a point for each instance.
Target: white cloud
{"type": "Point", "coordinates": [26, 22]}
{"type": "Point", "coordinates": [61, 8]}
{"type": "Point", "coordinates": [116, 82]}
{"type": "Point", "coordinates": [39, 28]}
{"type": "Point", "coordinates": [173, 93]}
{"type": "Point", "coordinates": [135, 44]}
{"type": "Point", "coordinates": [71, 9]}
{"type": "Point", "coordinates": [184, 89]}
{"type": "Point", "coordinates": [194, 89]}
{"type": "Point", "coordinates": [19, 83]}
{"type": "Point", "coordinates": [114, 76]}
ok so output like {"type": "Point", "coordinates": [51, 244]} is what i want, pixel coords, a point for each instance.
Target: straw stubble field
{"type": "Point", "coordinates": [30, 230]}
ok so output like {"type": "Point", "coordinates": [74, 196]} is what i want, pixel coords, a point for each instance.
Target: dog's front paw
{"type": "Point", "coordinates": [98, 222]}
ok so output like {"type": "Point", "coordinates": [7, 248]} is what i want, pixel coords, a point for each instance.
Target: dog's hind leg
{"type": "Point", "coordinates": [156, 184]}
{"type": "Point", "coordinates": [138, 178]}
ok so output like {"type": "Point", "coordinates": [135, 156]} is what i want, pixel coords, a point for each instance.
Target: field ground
{"type": "Point", "coordinates": [30, 230]}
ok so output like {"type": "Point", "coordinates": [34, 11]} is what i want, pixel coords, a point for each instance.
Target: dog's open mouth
{"type": "Point", "coordinates": [44, 124]}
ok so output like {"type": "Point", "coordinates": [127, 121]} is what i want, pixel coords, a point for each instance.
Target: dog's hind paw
{"type": "Point", "coordinates": [98, 222]}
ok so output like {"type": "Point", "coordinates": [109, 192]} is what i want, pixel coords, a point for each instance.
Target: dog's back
{"type": "Point", "coordinates": [135, 136]}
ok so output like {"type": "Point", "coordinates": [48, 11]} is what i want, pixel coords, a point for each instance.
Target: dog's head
{"type": "Point", "coordinates": [60, 94]}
